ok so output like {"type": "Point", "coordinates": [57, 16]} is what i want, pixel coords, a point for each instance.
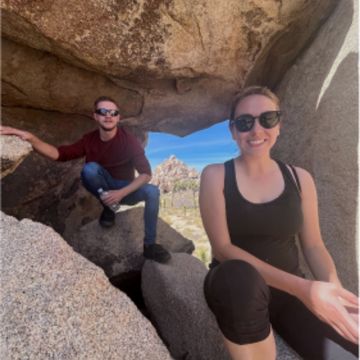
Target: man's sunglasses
{"type": "Point", "coordinates": [267, 120]}
{"type": "Point", "coordinates": [104, 112]}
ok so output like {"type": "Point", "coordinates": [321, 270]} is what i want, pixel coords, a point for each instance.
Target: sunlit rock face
{"type": "Point", "coordinates": [320, 131]}
{"type": "Point", "coordinates": [171, 64]}
{"type": "Point", "coordinates": [56, 304]}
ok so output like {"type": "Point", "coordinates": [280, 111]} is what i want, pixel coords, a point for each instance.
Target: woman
{"type": "Point", "coordinates": [252, 207]}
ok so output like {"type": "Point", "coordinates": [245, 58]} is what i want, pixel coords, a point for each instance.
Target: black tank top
{"type": "Point", "coordinates": [265, 230]}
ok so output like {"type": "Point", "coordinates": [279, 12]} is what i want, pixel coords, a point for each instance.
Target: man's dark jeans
{"type": "Point", "coordinates": [94, 176]}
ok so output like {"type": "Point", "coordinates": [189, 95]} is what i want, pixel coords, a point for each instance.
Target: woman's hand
{"type": "Point", "coordinates": [334, 305]}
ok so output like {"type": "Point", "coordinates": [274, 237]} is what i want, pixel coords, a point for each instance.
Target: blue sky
{"type": "Point", "coordinates": [198, 149]}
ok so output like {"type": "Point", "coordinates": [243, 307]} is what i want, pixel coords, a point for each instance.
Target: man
{"type": "Point", "coordinates": [111, 157]}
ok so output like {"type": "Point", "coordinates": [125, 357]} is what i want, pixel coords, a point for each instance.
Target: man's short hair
{"type": "Point", "coordinates": [252, 90]}
{"type": "Point", "coordinates": [104, 98]}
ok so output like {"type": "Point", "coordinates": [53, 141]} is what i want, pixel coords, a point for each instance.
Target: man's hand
{"type": "Point", "coordinates": [113, 197]}
{"type": "Point", "coordinates": [38, 145]}
{"type": "Point", "coordinates": [24, 135]}
{"type": "Point", "coordinates": [335, 306]}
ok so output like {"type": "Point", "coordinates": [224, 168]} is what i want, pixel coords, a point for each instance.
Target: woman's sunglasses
{"type": "Point", "coordinates": [267, 120]}
{"type": "Point", "coordinates": [104, 112]}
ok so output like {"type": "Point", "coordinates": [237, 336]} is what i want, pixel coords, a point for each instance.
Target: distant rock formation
{"type": "Point", "coordinates": [174, 173]}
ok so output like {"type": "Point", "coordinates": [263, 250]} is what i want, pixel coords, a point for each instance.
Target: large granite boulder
{"type": "Point", "coordinates": [174, 297]}
{"type": "Point", "coordinates": [320, 131]}
{"type": "Point", "coordinates": [119, 250]}
{"type": "Point", "coordinates": [57, 305]}
{"type": "Point", "coordinates": [184, 57]}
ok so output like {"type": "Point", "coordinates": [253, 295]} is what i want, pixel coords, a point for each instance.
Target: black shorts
{"type": "Point", "coordinates": [245, 309]}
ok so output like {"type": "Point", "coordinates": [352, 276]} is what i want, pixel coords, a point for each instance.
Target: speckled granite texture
{"type": "Point", "coordinates": [55, 304]}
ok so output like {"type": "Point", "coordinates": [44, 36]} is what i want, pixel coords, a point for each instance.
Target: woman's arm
{"type": "Point", "coordinates": [320, 297]}
{"type": "Point", "coordinates": [317, 256]}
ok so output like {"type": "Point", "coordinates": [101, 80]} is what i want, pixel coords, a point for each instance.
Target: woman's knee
{"type": "Point", "coordinates": [239, 298]}
{"type": "Point", "coordinates": [240, 282]}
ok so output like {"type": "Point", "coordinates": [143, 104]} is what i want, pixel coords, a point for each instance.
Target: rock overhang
{"type": "Point", "coordinates": [172, 65]}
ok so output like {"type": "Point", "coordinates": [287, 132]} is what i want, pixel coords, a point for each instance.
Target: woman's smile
{"type": "Point", "coordinates": [256, 142]}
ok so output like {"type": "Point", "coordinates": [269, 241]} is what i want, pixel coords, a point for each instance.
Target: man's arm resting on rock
{"type": "Point", "coordinates": [39, 146]}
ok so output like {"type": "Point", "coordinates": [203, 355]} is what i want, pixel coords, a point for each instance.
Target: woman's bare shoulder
{"type": "Point", "coordinates": [213, 170]}
{"type": "Point", "coordinates": [305, 177]}
{"type": "Point", "coordinates": [303, 174]}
